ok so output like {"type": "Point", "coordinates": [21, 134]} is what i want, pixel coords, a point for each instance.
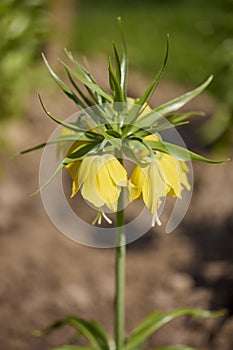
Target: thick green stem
{"type": "Point", "coordinates": [120, 276]}
{"type": "Point", "coordinates": [120, 283]}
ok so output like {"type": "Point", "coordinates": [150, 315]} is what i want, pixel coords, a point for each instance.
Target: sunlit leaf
{"type": "Point", "coordinates": [179, 152]}
{"type": "Point", "coordinates": [118, 63]}
{"type": "Point", "coordinates": [87, 83]}
{"type": "Point", "coordinates": [179, 117]}
{"type": "Point", "coordinates": [62, 85]}
{"type": "Point", "coordinates": [148, 120]}
{"type": "Point", "coordinates": [96, 97]}
{"type": "Point", "coordinates": [100, 334]}
{"type": "Point", "coordinates": [87, 137]}
{"type": "Point", "coordinates": [80, 152]}
{"type": "Point", "coordinates": [179, 102]}
{"type": "Point", "coordinates": [158, 319]}
{"type": "Point", "coordinates": [92, 331]}
{"type": "Point", "coordinates": [59, 168]}
{"type": "Point", "coordinates": [124, 62]}
{"type": "Point", "coordinates": [34, 148]}
{"type": "Point", "coordinates": [149, 91]}
{"type": "Point", "coordinates": [83, 96]}
{"type": "Point", "coordinates": [115, 84]}
{"type": "Point", "coordinates": [65, 124]}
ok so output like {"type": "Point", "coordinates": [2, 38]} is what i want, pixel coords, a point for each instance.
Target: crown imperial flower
{"type": "Point", "coordinates": [93, 149]}
{"type": "Point", "coordinates": [113, 123]}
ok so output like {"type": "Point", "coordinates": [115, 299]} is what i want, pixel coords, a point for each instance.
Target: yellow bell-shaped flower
{"type": "Point", "coordinates": [100, 178]}
{"type": "Point", "coordinates": [164, 176]}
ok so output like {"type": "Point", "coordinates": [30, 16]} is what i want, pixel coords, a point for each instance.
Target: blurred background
{"type": "Point", "coordinates": [54, 276]}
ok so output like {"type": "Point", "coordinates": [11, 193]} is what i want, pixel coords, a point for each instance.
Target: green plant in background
{"type": "Point", "coordinates": [99, 141]}
{"type": "Point", "coordinates": [202, 33]}
{"type": "Point", "coordinates": [220, 128]}
{"type": "Point", "coordinates": [22, 29]}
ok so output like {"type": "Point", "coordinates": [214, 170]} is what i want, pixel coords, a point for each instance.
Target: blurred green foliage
{"type": "Point", "coordinates": [23, 27]}
{"type": "Point", "coordinates": [201, 42]}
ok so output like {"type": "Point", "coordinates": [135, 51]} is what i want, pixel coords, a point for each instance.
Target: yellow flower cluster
{"type": "Point", "coordinates": [100, 178]}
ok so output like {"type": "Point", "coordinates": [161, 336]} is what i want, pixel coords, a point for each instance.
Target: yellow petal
{"type": "Point", "coordinates": [85, 168]}
{"type": "Point", "coordinates": [107, 190]}
{"type": "Point", "coordinates": [136, 182]}
{"type": "Point", "coordinates": [170, 173]}
{"type": "Point", "coordinates": [149, 182]}
{"type": "Point", "coordinates": [146, 110]}
{"type": "Point", "coordinates": [73, 169]}
{"type": "Point", "coordinates": [89, 190]}
{"type": "Point", "coordinates": [116, 170]}
{"type": "Point", "coordinates": [183, 169]}
{"type": "Point", "coordinates": [134, 192]}
{"type": "Point", "coordinates": [154, 188]}
{"type": "Point", "coordinates": [152, 137]}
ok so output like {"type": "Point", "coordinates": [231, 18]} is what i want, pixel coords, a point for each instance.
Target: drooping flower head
{"type": "Point", "coordinates": [112, 127]}
{"type": "Point", "coordinates": [100, 178]}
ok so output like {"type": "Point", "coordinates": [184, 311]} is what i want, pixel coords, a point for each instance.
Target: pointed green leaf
{"type": "Point", "coordinates": [131, 117]}
{"type": "Point", "coordinates": [118, 63]}
{"type": "Point", "coordinates": [124, 62]}
{"type": "Point", "coordinates": [96, 98]}
{"type": "Point", "coordinates": [149, 91]}
{"type": "Point", "coordinates": [179, 117]}
{"type": "Point", "coordinates": [100, 334]}
{"type": "Point", "coordinates": [115, 84]}
{"type": "Point", "coordinates": [155, 116]}
{"type": "Point", "coordinates": [148, 120]}
{"type": "Point", "coordinates": [179, 102]}
{"type": "Point", "coordinates": [83, 96]}
{"type": "Point", "coordinates": [87, 137]}
{"type": "Point", "coordinates": [80, 152]}
{"type": "Point", "coordinates": [179, 152]}
{"type": "Point", "coordinates": [113, 133]}
{"type": "Point", "coordinates": [59, 168]}
{"type": "Point", "coordinates": [159, 319]}
{"type": "Point", "coordinates": [92, 331]}
{"type": "Point", "coordinates": [131, 130]}
{"type": "Point", "coordinates": [34, 148]}
{"type": "Point", "coordinates": [62, 85]}
{"type": "Point", "coordinates": [65, 124]}
{"type": "Point", "coordinates": [110, 78]}
{"type": "Point", "coordinates": [80, 67]}
{"type": "Point", "coordinates": [135, 112]}
{"type": "Point", "coordinates": [87, 83]}
{"type": "Point", "coordinates": [165, 126]}
{"type": "Point", "coordinates": [93, 135]}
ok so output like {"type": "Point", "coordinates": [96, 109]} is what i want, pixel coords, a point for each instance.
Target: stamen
{"type": "Point", "coordinates": [98, 218]}
{"type": "Point", "coordinates": [109, 221]}
{"type": "Point", "coordinates": [155, 219]}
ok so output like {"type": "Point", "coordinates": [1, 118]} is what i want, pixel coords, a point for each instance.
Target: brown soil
{"type": "Point", "coordinates": [45, 276]}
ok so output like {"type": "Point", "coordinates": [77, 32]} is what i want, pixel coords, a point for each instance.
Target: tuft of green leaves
{"type": "Point", "coordinates": [99, 339]}
{"type": "Point", "coordinates": [111, 121]}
